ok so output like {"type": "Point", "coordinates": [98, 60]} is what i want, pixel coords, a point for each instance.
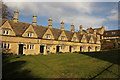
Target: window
{"type": "Point", "coordinates": [74, 39]}
{"type": "Point", "coordinates": [113, 32]}
{"type": "Point", "coordinates": [5, 32]}
{"type": "Point", "coordinates": [74, 47]}
{"type": "Point", "coordinates": [48, 36]}
{"type": "Point", "coordinates": [5, 45]}
{"type": "Point", "coordinates": [49, 47]}
{"type": "Point", "coordinates": [63, 47]}
{"type": "Point", "coordinates": [1, 45]}
{"type": "Point", "coordinates": [30, 46]}
{"type": "Point", "coordinates": [106, 33]}
{"type": "Point", "coordinates": [62, 38]}
{"type": "Point", "coordinates": [29, 34]}
{"type": "Point", "coordinates": [83, 40]}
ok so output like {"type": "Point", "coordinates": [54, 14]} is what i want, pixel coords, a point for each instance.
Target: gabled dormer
{"type": "Point", "coordinates": [91, 40]}
{"type": "Point", "coordinates": [84, 40]}
{"type": "Point", "coordinates": [30, 32]}
{"type": "Point", "coordinates": [48, 34]}
{"type": "Point", "coordinates": [63, 36]}
{"type": "Point", "coordinates": [75, 38]}
{"type": "Point", "coordinates": [6, 29]}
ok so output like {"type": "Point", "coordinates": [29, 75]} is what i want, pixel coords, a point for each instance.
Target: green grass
{"type": "Point", "coordinates": [67, 65]}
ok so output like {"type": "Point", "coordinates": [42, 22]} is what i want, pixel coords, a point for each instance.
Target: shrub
{"type": "Point", "coordinates": [116, 44]}
{"type": "Point", "coordinates": [109, 47]}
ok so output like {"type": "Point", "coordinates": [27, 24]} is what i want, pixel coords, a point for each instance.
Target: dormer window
{"type": "Point", "coordinates": [5, 32]}
{"type": "Point", "coordinates": [62, 38]}
{"type": "Point", "coordinates": [29, 35]}
{"type": "Point", "coordinates": [113, 32]}
{"type": "Point", "coordinates": [74, 39]}
{"type": "Point", "coordinates": [48, 36]}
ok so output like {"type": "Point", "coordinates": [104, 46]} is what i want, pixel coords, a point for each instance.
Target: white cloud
{"type": "Point", "coordinates": [77, 13]}
{"type": "Point", "coordinates": [113, 15]}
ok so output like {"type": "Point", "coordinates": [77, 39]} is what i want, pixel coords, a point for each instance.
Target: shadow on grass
{"type": "Point", "coordinates": [12, 70]}
{"type": "Point", "coordinates": [111, 56]}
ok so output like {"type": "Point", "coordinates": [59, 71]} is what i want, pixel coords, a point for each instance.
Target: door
{"type": "Point", "coordinates": [57, 49]}
{"type": "Point", "coordinates": [70, 49]}
{"type": "Point", "coordinates": [42, 49]}
{"type": "Point", "coordinates": [96, 48]}
{"type": "Point", "coordinates": [89, 48]}
{"type": "Point", "coordinates": [80, 48]}
{"type": "Point", "coordinates": [20, 49]}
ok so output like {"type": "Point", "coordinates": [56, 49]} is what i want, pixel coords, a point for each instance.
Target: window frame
{"type": "Point", "coordinates": [5, 32]}
{"type": "Point", "coordinates": [5, 45]}
{"type": "Point", "coordinates": [29, 34]}
{"type": "Point", "coordinates": [63, 38]}
{"type": "Point", "coordinates": [74, 39]}
{"type": "Point", "coordinates": [30, 46]}
{"type": "Point", "coordinates": [63, 47]}
{"type": "Point", "coordinates": [48, 36]}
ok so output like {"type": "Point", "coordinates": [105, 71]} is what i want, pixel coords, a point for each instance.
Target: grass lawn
{"type": "Point", "coordinates": [68, 65]}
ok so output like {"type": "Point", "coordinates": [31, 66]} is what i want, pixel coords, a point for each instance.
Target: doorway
{"type": "Point", "coordinates": [89, 48]}
{"type": "Point", "coordinates": [20, 49]}
{"type": "Point", "coordinates": [96, 48]}
{"type": "Point", "coordinates": [81, 48]}
{"type": "Point", "coordinates": [57, 49]}
{"type": "Point", "coordinates": [42, 49]}
{"type": "Point", "coordinates": [70, 49]}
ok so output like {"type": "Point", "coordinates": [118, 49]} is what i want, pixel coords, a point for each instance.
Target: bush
{"type": "Point", "coordinates": [109, 47]}
{"type": "Point", "coordinates": [116, 45]}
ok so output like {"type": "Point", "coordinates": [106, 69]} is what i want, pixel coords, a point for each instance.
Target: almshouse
{"type": "Point", "coordinates": [25, 38]}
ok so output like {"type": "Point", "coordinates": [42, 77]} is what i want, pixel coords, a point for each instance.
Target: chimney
{"type": "Point", "coordinates": [80, 28]}
{"type": "Point", "coordinates": [94, 33]}
{"type": "Point", "coordinates": [50, 23]}
{"type": "Point", "coordinates": [16, 16]}
{"type": "Point", "coordinates": [72, 28]}
{"type": "Point", "coordinates": [62, 25]}
{"type": "Point", "coordinates": [88, 30]}
{"type": "Point", "coordinates": [103, 27]}
{"type": "Point", "coordinates": [34, 19]}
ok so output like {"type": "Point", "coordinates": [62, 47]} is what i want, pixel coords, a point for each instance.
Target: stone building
{"type": "Point", "coordinates": [30, 39]}
{"type": "Point", "coordinates": [111, 34]}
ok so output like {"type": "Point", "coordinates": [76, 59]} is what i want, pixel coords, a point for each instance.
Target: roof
{"type": "Point", "coordinates": [20, 27]}
{"type": "Point", "coordinates": [111, 33]}
{"type": "Point", "coordinates": [79, 36]}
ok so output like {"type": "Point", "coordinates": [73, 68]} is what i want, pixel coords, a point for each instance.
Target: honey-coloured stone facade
{"type": "Point", "coordinates": [32, 39]}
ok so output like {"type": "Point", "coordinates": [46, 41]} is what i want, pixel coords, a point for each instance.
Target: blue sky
{"type": "Point", "coordinates": [88, 14]}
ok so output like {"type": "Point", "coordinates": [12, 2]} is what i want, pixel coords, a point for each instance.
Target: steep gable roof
{"type": "Point", "coordinates": [40, 30]}
{"type": "Point", "coordinates": [19, 27]}
{"type": "Point", "coordinates": [79, 36]}
{"type": "Point", "coordinates": [3, 21]}
{"type": "Point", "coordinates": [69, 34]}
{"type": "Point", "coordinates": [88, 37]}
{"type": "Point", "coordinates": [56, 32]}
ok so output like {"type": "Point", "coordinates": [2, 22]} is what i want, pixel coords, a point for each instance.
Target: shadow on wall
{"type": "Point", "coordinates": [111, 56]}
{"type": "Point", "coordinates": [12, 70]}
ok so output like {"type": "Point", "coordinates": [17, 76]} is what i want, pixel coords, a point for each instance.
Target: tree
{"type": "Point", "coordinates": [116, 44]}
{"type": "Point", "coordinates": [6, 12]}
